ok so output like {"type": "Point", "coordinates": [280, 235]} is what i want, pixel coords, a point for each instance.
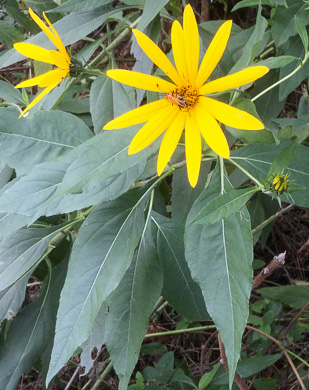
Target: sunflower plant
{"type": "Point", "coordinates": [131, 190]}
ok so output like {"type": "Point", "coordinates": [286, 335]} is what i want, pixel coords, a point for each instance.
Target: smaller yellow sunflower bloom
{"type": "Point", "coordinates": [185, 106]}
{"type": "Point", "coordinates": [279, 183]}
{"type": "Point", "coordinates": [59, 58]}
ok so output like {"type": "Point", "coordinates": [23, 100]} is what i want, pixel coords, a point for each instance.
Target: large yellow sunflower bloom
{"type": "Point", "coordinates": [59, 58]}
{"type": "Point", "coordinates": [185, 105]}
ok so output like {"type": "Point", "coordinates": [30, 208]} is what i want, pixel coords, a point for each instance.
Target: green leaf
{"type": "Point", "coordinates": [279, 62]}
{"type": "Point", "coordinates": [283, 25]}
{"type": "Point", "coordinates": [9, 94]}
{"type": "Point", "coordinates": [11, 222]}
{"type": "Point", "coordinates": [170, 247]}
{"type": "Point", "coordinates": [223, 206]}
{"type": "Point", "coordinates": [151, 10]}
{"type": "Point", "coordinates": [265, 384]}
{"type": "Point", "coordinates": [21, 250]}
{"type": "Point", "coordinates": [107, 239]}
{"type": "Point", "coordinates": [282, 161]}
{"type": "Point", "coordinates": [12, 298]}
{"type": "Point", "coordinates": [207, 377]}
{"type": "Point", "coordinates": [295, 296]}
{"type": "Point", "coordinates": [183, 195]}
{"type": "Point", "coordinates": [302, 32]}
{"type": "Point", "coordinates": [251, 47]}
{"type": "Point", "coordinates": [13, 10]}
{"type": "Point", "coordinates": [71, 29]}
{"type": "Point", "coordinates": [109, 99]}
{"type": "Point", "coordinates": [130, 306]}
{"type": "Point", "coordinates": [49, 134]}
{"type": "Point", "coordinates": [257, 159]}
{"type": "Point", "coordinates": [219, 256]}
{"type": "Point", "coordinates": [79, 5]}
{"type": "Point", "coordinates": [249, 3]}
{"type": "Point", "coordinates": [31, 332]}
{"type": "Point", "coordinates": [9, 34]}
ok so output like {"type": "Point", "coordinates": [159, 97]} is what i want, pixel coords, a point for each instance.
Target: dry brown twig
{"type": "Point", "coordinates": [277, 262]}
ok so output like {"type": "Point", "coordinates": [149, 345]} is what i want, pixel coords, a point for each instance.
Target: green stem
{"type": "Point", "coordinates": [270, 219]}
{"type": "Point", "coordinates": [179, 331]}
{"type": "Point", "coordinates": [125, 32]}
{"type": "Point", "coordinates": [104, 374]}
{"type": "Point", "coordinates": [259, 184]}
{"type": "Point", "coordinates": [282, 80]}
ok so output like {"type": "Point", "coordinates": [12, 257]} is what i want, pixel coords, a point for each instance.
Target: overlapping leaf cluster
{"type": "Point", "coordinates": [90, 222]}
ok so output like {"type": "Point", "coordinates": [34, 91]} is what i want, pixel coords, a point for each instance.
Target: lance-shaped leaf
{"type": "Point", "coordinates": [47, 135]}
{"type": "Point", "coordinates": [223, 206]}
{"type": "Point", "coordinates": [101, 254]}
{"type": "Point", "coordinates": [21, 250]}
{"type": "Point", "coordinates": [11, 222]}
{"type": "Point", "coordinates": [219, 256]}
{"type": "Point", "coordinates": [31, 332]}
{"type": "Point", "coordinates": [130, 306]}
{"type": "Point", "coordinates": [179, 289]}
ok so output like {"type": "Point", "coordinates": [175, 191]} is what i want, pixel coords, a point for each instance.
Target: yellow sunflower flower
{"type": "Point", "coordinates": [59, 58]}
{"type": "Point", "coordinates": [185, 105]}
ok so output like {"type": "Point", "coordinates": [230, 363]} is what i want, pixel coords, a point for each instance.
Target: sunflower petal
{"type": "Point", "coordinates": [60, 61]}
{"type": "Point", "coordinates": [157, 56]}
{"type": "Point", "coordinates": [34, 81]}
{"type": "Point", "coordinates": [170, 140]}
{"type": "Point", "coordinates": [179, 51]}
{"type": "Point", "coordinates": [136, 116]}
{"type": "Point", "coordinates": [234, 80]}
{"type": "Point", "coordinates": [141, 80]}
{"type": "Point", "coordinates": [55, 39]}
{"type": "Point", "coordinates": [39, 97]}
{"type": "Point", "coordinates": [153, 129]}
{"type": "Point", "coordinates": [229, 115]}
{"type": "Point", "coordinates": [211, 131]}
{"type": "Point", "coordinates": [193, 147]}
{"type": "Point", "coordinates": [59, 42]}
{"type": "Point", "coordinates": [214, 53]}
{"type": "Point", "coordinates": [38, 53]}
{"type": "Point", "coordinates": [55, 75]}
{"type": "Point", "coordinates": [191, 43]}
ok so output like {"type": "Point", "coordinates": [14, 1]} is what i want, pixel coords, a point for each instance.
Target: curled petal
{"type": "Point", "coordinates": [229, 115]}
{"type": "Point", "coordinates": [234, 80]}
{"type": "Point", "coordinates": [140, 80]}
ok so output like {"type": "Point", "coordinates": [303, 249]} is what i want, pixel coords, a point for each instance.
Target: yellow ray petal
{"type": "Point", "coordinates": [60, 60]}
{"type": "Point", "coordinates": [230, 116]}
{"type": "Point", "coordinates": [193, 148]}
{"type": "Point", "coordinates": [34, 81]}
{"type": "Point", "coordinates": [191, 43]}
{"type": "Point", "coordinates": [140, 80]}
{"type": "Point", "coordinates": [52, 77]}
{"type": "Point", "coordinates": [55, 39]}
{"type": "Point", "coordinates": [38, 53]}
{"type": "Point", "coordinates": [234, 80]}
{"type": "Point", "coordinates": [170, 140]}
{"type": "Point", "coordinates": [39, 97]}
{"type": "Point", "coordinates": [179, 51]}
{"type": "Point", "coordinates": [153, 129]}
{"type": "Point", "coordinates": [157, 56]}
{"type": "Point", "coordinates": [214, 53]}
{"type": "Point", "coordinates": [136, 116]}
{"type": "Point", "coordinates": [211, 131]}
{"type": "Point", "coordinates": [60, 44]}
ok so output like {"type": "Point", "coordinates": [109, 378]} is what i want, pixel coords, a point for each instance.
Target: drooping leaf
{"type": "Point", "coordinates": [30, 332]}
{"type": "Point", "coordinates": [79, 5]}
{"type": "Point", "coordinates": [219, 256]}
{"type": "Point", "coordinates": [107, 239]}
{"type": "Point", "coordinates": [179, 289]}
{"type": "Point", "coordinates": [295, 296]}
{"type": "Point", "coordinates": [130, 306]}
{"type": "Point", "coordinates": [47, 135]}
{"type": "Point", "coordinates": [9, 94]}
{"type": "Point", "coordinates": [11, 222]}
{"type": "Point", "coordinates": [151, 10]}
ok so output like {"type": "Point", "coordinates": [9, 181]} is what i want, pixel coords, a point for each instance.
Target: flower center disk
{"type": "Point", "coordinates": [185, 97]}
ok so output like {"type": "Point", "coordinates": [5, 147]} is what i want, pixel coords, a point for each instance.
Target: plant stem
{"type": "Point", "coordinates": [179, 331]}
{"type": "Point", "coordinates": [270, 219]}
{"type": "Point", "coordinates": [104, 374]}
{"type": "Point", "coordinates": [283, 79]}
{"type": "Point", "coordinates": [259, 184]}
